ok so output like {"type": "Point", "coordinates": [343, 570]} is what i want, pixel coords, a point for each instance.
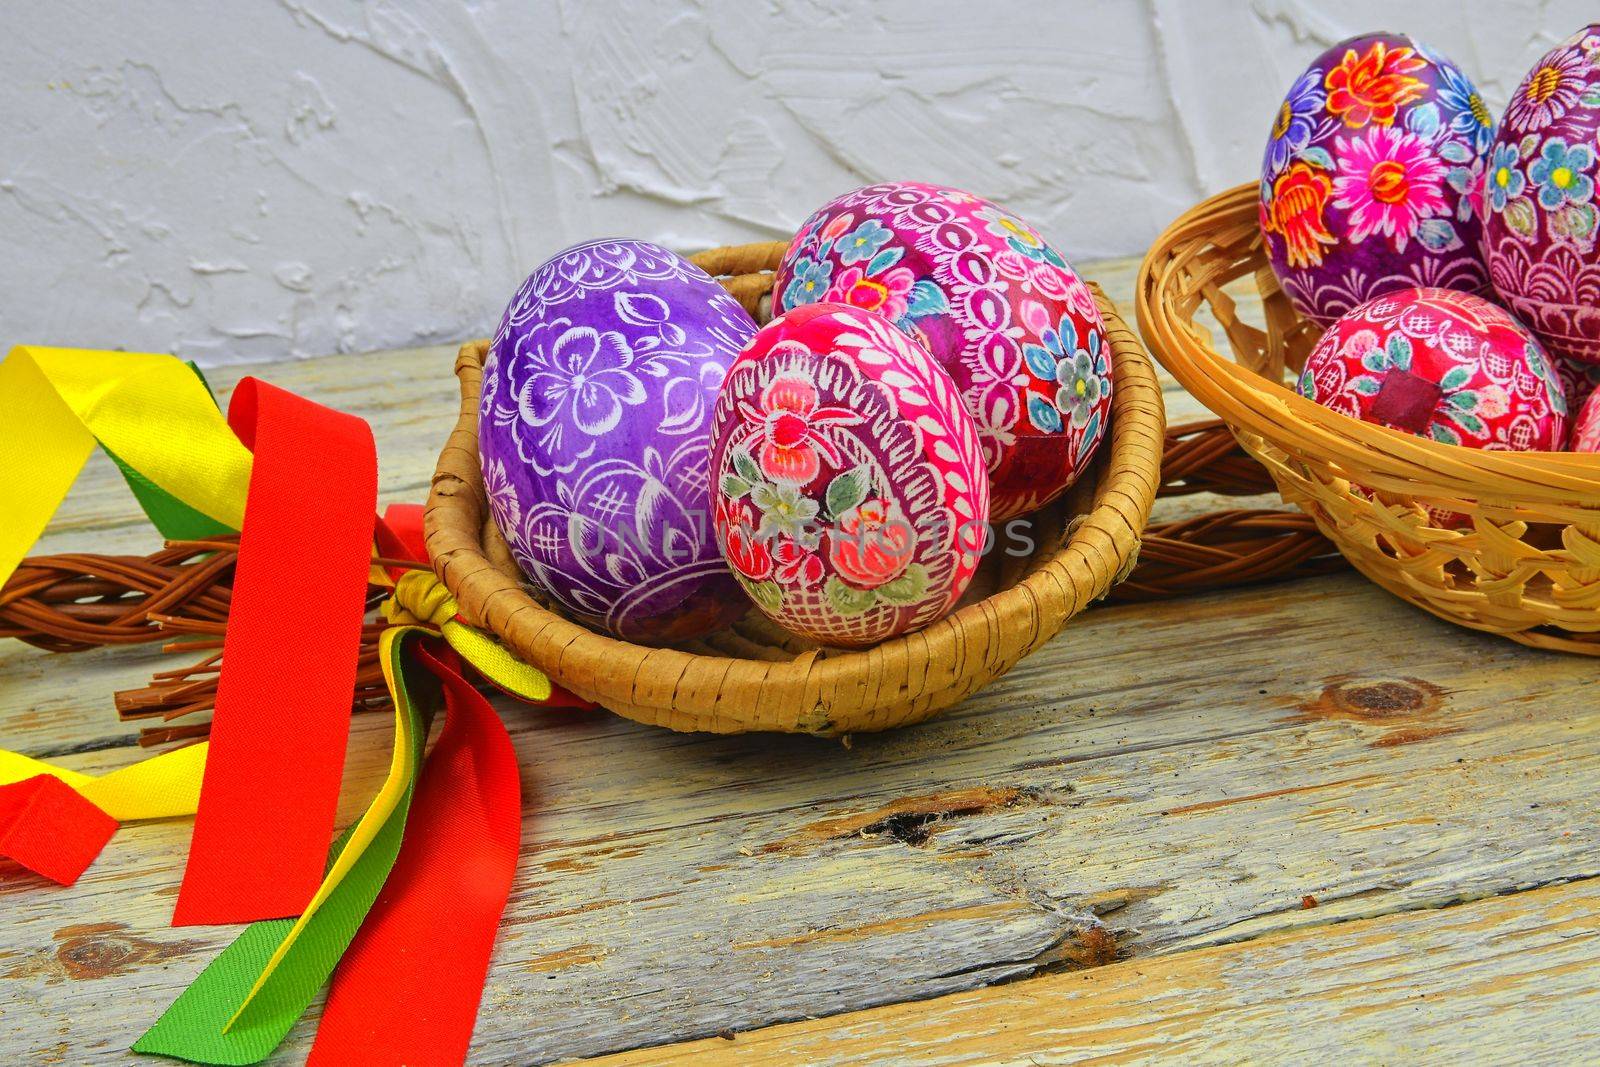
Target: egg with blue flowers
{"type": "Point", "coordinates": [594, 437]}
{"type": "Point", "coordinates": [1371, 177]}
{"type": "Point", "coordinates": [1540, 223]}
{"type": "Point", "coordinates": [991, 301]}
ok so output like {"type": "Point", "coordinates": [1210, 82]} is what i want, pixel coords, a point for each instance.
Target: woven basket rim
{"type": "Point", "coordinates": [1384, 458]}
{"type": "Point", "coordinates": [987, 636]}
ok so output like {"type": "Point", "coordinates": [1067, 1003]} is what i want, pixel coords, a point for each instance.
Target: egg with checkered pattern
{"type": "Point", "coordinates": [594, 437]}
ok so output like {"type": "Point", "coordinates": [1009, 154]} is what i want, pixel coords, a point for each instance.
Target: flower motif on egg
{"type": "Point", "coordinates": [809, 283]}
{"type": "Point", "coordinates": [1295, 210]}
{"type": "Point", "coordinates": [1372, 176]}
{"type": "Point", "coordinates": [1372, 86]}
{"type": "Point", "coordinates": [874, 546]}
{"type": "Point", "coordinates": [1083, 380]}
{"type": "Point", "coordinates": [1549, 91]}
{"type": "Point", "coordinates": [1504, 180]}
{"type": "Point", "coordinates": [791, 435]}
{"type": "Point", "coordinates": [1389, 181]}
{"type": "Point", "coordinates": [1559, 174]}
{"type": "Point", "coordinates": [580, 380]}
{"type": "Point", "coordinates": [1460, 99]}
{"type": "Point", "coordinates": [1297, 118]}
{"type": "Point", "coordinates": [864, 242]}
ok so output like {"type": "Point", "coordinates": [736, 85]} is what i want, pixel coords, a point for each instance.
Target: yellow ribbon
{"type": "Point", "coordinates": [152, 411]}
{"type": "Point", "coordinates": [420, 598]}
{"type": "Point", "coordinates": [156, 788]}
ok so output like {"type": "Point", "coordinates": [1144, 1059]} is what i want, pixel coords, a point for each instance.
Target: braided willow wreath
{"type": "Point", "coordinates": [181, 593]}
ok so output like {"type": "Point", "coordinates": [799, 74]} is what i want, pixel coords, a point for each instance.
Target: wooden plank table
{"type": "Point", "coordinates": [1275, 823]}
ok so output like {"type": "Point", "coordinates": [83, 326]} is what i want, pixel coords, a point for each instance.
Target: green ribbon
{"type": "Point", "coordinates": [205, 1024]}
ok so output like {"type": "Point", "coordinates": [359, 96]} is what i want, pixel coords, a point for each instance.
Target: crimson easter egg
{"type": "Point", "coordinates": [1370, 175]}
{"type": "Point", "coordinates": [849, 490]}
{"type": "Point", "coordinates": [995, 306]}
{"type": "Point", "coordinates": [1586, 428]}
{"type": "Point", "coordinates": [1442, 364]}
{"type": "Point", "coordinates": [1540, 215]}
{"type": "Point", "coordinates": [594, 433]}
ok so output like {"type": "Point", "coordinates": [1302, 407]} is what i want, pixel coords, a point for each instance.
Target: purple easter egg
{"type": "Point", "coordinates": [594, 437]}
{"type": "Point", "coordinates": [1371, 177]}
{"type": "Point", "coordinates": [1539, 224]}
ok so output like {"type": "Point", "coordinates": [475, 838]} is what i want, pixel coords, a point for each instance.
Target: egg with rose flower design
{"type": "Point", "coordinates": [1541, 221]}
{"type": "Point", "coordinates": [1371, 177]}
{"type": "Point", "coordinates": [991, 301]}
{"type": "Point", "coordinates": [594, 433]}
{"type": "Point", "coordinates": [850, 495]}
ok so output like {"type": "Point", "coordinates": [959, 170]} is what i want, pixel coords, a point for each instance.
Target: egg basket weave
{"type": "Point", "coordinates": [1526, 564]}
{"type": "Point", "coordinates": [755, 676]}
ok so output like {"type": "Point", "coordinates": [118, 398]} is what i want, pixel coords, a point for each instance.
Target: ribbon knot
{"type": "Point", "coordinates": [420, 599]}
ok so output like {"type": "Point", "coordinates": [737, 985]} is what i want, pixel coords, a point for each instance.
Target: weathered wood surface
{"type": "Point", "coordinates": [1158, 779]}
{"type": "Point", "coordinates": [1509, 979]}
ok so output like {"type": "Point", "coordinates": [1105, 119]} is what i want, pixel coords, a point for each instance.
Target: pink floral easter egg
{"type": "Point", "coordinates": [1370, 176]}
{"type": "Point", "coordinates": [849, 493]}
{"type": "Point", "coordinates": [1586, 429]}
{"type": "Point", "coordinates": [995, 306]}
{"type": "Point", "coordinates": [1540, 225]}
{"type": "Point", "coordinates": [1441, 364]}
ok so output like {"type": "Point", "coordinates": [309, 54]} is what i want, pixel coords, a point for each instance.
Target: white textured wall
{"type": "Point", "coordinates": [240, 180]}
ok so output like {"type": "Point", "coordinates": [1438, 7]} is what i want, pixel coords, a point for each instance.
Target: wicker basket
{"type": "Point", "coordinates": [754, 676]}
{"type": "Point", "coordinates": [1528, 564]}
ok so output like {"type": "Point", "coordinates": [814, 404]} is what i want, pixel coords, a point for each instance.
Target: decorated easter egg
{"type": "Point", "coordinates": [995, 306]}
{"type": "Point", "coordinates": [594, 437]}
{"type": "Point", "coordinates": [1442, 364]}
{"type": "Point", "coordinates": [850, 493]}
{"type": "Point", "coordinates": [1540, 215]}
{"type": "Point", "coordinates": [1586, 427]}
{"type": "Point", "coordinates": [1370, 176]}
{"type": "Point", "coordinates": [1578, 380]}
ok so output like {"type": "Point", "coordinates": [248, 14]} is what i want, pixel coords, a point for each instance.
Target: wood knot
{"type": "Point", "coordinates": [1383, 701]}
{"type": "Point", "coordinates": [1376, 700]}
{"type": "Point", "coordinates": [103, 956]}
{"type": "Point", "coordinates": [98, 950]}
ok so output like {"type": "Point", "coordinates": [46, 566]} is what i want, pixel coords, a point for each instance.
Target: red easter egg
{"type": "Point", "coordinates": [1440, 364]}
{"type": "Point", "coordinates": [1586, 430]}
{"type": "Point", "coordinates": [849, 494]}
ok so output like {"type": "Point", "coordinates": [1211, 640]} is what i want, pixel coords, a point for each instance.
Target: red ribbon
{"type": "Point", "coordinates": [408, 987]}
{"type": "Point", "coordinates": [271, 785]}
{"type": "Point", "coordinates": [46, 826]}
